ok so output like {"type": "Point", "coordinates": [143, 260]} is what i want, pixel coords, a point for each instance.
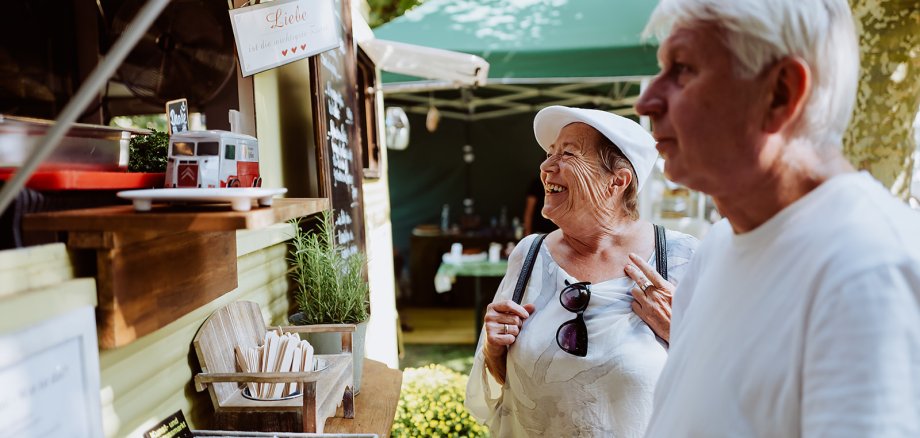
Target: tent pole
{"type": "Point", "coordinates": [468, 152]}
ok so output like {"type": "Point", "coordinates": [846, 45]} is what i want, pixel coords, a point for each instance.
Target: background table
{"type": "Point", "coordinates": [448, 272]}
{"type": "Point", "coordinates": [424, 259]}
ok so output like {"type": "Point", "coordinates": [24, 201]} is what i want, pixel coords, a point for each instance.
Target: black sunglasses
{"type": "Point", "coordinates": [572, 335]}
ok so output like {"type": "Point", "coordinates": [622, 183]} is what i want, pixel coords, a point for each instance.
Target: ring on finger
{"type": "Point", "coordinates": [505, 329]}
{"type": "Point", "coordinates": [645, 285]}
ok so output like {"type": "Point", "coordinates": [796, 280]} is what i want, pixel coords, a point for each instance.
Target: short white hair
{"type": "Point", "coordinates": [759, 32]}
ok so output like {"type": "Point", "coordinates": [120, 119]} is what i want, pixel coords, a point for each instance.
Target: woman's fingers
{"type": "Point", "coordinates": [641, 281]}
{"type": "Point", "coordinates": [507, 312]}
{"type": "Point", "coordinates": [635, 273]}
{"type": "Point", "coordinates": [639, 296]}
{"type": "Point", "coordinates": [497, 312]}
{"type": "Point", "coordinates": [501, 334]}
{"type": "Point", "coordinates": [651, 297]}
{"type": "Point", "coordinates": [504, 318]}
{"type": "Point", "coordinates": [509, 306]}
{"type": "Point", "coordinates": [502, 329]}
{"type": "Point", "coordinates": [503, 321]}
{"type": "Point", "coordinates": [654, 309]}
{"type": "Point", "coordinates": [644, 274]}
{"type": "Point", "coordinates": [530, 308]}
{"type": "Point", "coordinates": [646, 270]}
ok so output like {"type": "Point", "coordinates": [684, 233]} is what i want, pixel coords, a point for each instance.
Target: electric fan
{"type": "Point", "coordinates": [187, 52]}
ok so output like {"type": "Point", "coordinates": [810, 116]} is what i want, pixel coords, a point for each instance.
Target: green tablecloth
{"type": "Point", "coordinates": [448, 272]}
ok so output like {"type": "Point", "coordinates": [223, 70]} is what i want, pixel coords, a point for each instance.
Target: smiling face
{"type": "Point", "coordinates": [576, 185]}
{"type": "Point", "coordinates": [706, 119]}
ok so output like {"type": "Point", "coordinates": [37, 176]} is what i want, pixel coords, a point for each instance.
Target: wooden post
{"type": "Point", "coordinates": [309, 408]}
{"type": "Point", "coordinates": [346, 342]}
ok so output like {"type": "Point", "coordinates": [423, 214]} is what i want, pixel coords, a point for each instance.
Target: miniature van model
{"type": "Point", "coordinates": [211, 159]}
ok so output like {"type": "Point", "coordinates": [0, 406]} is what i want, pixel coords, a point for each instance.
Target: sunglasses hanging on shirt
{"type": "Point", "coordinates": [572, 335]}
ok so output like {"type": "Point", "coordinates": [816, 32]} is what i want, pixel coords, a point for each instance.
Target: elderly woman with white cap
{"type": "Point", "coordinates": [574, 357]}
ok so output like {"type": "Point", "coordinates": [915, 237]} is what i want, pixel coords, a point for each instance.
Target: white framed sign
{"type": "Point", "coordinates": [275, 33]}
{"type": "Point", "coordinates": [49, 375]}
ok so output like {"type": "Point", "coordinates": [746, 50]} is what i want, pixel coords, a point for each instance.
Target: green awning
{"type": "Point", "coordinates": [534, 39]}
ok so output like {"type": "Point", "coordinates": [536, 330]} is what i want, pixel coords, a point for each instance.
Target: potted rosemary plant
{"type": "Point", "coordinates": [330, 288]}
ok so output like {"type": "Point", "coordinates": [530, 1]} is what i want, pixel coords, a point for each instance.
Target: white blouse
{"type": "Point", "coordinates": [549, 392]}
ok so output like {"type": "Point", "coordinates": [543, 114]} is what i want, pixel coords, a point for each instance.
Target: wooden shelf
{"type": "Point", "coordinates": [123, 218]}
{"type": "Point", "coordinates": [153, 267]}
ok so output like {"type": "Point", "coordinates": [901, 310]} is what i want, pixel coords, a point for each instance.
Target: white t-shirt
{"type": "Point", "coordinates": [549, 392]}
{"type": "Point", "coordinates": [807, 326]}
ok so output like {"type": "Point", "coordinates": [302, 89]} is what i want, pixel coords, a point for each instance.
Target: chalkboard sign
{"type": "Point", "coordinates": [177, 116]}
{"type": "Point", "coordinates": [334, 74]}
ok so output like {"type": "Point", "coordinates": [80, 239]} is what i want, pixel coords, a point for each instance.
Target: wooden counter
{"type": "Point", "coordinates": [153, 267]}
{"type": "Point", "coordinates": [375, 405]}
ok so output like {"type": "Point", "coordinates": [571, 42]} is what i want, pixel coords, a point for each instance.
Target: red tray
{"type": "Point", "coordinates": [88, 180]}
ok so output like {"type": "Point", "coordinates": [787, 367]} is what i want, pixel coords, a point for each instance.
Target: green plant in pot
{"type": "Point", "coordinates": [330, 288]}
{"type": "Point", "coordinates": [148, 153]}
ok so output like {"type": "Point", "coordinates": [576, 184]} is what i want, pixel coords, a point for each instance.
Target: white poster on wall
{"type": "Point", "coordinates": [275, 33]}
{"type": "Point", "coordinates": [49, 379]}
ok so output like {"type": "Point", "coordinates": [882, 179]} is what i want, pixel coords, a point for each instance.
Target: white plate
{"type": "Point", "coordinates": [240, 199]}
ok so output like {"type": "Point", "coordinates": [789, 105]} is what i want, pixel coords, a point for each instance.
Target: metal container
{"type": "Point", "coordinates": [84, 147]}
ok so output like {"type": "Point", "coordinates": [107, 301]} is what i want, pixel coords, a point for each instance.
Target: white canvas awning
{"type": "Point", "coordinates": [460, 69]}
{"type": "Point", "coordinates": [426, 62]}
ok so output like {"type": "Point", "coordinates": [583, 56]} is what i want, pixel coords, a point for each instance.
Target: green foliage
{"type": "Point", "coordinates": [147, 153]}
{"type": "Point", "coordinates": [330, 286]}
{"type": "Point", "coordinates": [382, 11]}
{"type": "Point", "coordinates": [431, 405]}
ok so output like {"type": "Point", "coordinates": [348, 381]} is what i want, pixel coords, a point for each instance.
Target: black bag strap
{"type": "Point", "coordinates": [527, 268]}
{"type": "Point", "coordinates": [661, 261]}
{"type": "Point", "coordinates": [661, 252]}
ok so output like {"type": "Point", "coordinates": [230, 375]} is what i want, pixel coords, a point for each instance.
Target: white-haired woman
{"type": "Point", "coordinates": [573, 358]}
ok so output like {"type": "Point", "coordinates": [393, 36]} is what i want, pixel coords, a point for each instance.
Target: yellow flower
{"type": "Point", "coordinates": [431, 404]}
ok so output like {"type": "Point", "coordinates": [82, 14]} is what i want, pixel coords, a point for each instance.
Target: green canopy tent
{"type": "Point", "coordinates": [482, 157]}
{"type": "Point", "coordinates": [540, 52]}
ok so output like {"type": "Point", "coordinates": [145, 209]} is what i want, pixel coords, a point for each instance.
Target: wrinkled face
{"type": "Point", "coordinates": [706, 120]}
{"type": "Point", "coordinates": [575, 183]}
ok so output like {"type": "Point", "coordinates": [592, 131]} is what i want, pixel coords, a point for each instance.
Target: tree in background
{"type": "Point", "coordinates": [382, 11]}
{"type": "Point", "coordinates": [880, 137]}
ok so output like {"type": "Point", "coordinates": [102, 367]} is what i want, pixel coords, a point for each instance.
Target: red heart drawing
{"type": "Point", "coordinates": [284, 52]}
{"type": "Point", "coordinates": [303, 47]}
{"type": "Point", "coordinates": [293, 49]}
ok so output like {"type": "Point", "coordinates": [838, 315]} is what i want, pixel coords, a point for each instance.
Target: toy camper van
{"type": "Point", "coordinates": [211, 159]}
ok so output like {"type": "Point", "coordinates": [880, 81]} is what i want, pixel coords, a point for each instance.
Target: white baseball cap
{"type": "Point", "coordinates": [635, 142]}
